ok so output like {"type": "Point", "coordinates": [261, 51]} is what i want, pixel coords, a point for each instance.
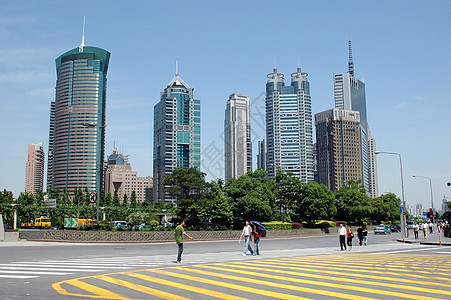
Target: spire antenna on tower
{"type": "Point", "coordinates": [176, 67]}
{"type": "Point", "coordinates": [275, 66]}
{"type": "Point", "coordinates": [80, 49]}
{"type": "Point", "coordinates": [350, 62]}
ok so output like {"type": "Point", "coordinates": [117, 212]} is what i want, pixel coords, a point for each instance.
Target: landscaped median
{"type": "Point", "coordinates": [151, 236]}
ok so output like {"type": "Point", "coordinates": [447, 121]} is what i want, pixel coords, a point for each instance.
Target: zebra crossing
{"type": "Point", "coordinates": [35, 269]}
{"type": "Point", "coordinates": [344, 276]}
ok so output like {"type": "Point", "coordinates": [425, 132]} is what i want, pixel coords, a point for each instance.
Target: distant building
{"type": "Point", "coordinates": [34, 178]}
{"type": "Point", "coordinates": [349, 93]}
{"type": "Point", "coordinates": [338, 147]}
{"type": "Point", "coordinates": [77, 120]}
{"type": "Point", "coordinates": [261, 156]}
{"type": "Point", "coordinates": [176, 134]}
{"type": "Point", "coordinates": [445, 208]}
{"type": "Point", "coordinates": [120, 177]}
{"type": "Point", "coordinates": [289, 136]}
{"type": "Point", "coordinates": [237, 142]}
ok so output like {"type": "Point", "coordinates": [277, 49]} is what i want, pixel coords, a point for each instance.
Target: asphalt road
{"type": "Point", "coordinates": [29, 269]}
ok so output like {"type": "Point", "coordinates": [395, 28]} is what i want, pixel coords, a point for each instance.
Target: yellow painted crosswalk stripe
{"type": "Point", "coordinates": [140, 288]}
{"type": "Point", "coordinates": [361, 281]}
{"type": "Point", "coordinates": [359, 266]}
{"type": "Point", "coordinates": [329, 269]}
{"type": "Point", "coordinates": [181, 285]}
{"type": "Point", "coordinates": [327, 284]}
{"type": "Point", "coordinates": [274, 295]}
{"type": "Point", "coordinates": [272, 284]}
{"type": "Point", "coordinates": [98, 293]}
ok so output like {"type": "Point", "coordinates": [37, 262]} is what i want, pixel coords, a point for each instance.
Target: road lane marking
{"type": "Point", "coordinates": [272, 284]}
{"type": "Point", "coordinates": [97, 291]}
{"type": "Point", "coordinates": [328, 270]}
{"type": "Point", "coordinates": [46, 269]}
{"type": "Point", "coordinates": [17, 276]}
{"type": "Point", "coordinates": [178, 285]}
{"type": "Point", "coordinates": [33, 272]}
{"type": "Point", "coordinates": [361, 281]}
{"type": "Point", "coordinates": [141, 288]}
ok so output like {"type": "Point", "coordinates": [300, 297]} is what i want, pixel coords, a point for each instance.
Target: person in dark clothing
{"type": "Point", "coordinates": [360, 234]}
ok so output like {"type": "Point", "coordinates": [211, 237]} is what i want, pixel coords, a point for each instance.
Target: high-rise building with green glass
{"type": "Point", "coordinates": [77, 120]}
{"type": "Point", "coordinates": [176, 134]}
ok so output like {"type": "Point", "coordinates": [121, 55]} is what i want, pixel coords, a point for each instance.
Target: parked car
{"type": "Point", "coordinates": [382, 229]}
{"type": "Point", "coordinates": [142, 226]}
{"type": "Point", "coordinates": [410, 224]}
{"type": "Point", "coordinates": [395, 228]}
{"type": "Point", "coordinates": [120, 225]}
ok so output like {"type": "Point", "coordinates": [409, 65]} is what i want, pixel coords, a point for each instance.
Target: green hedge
{"type": "Point", "coordinates": [277, 225]}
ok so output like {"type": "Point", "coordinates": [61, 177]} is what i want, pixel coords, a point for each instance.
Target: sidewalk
{"type": "Point", "coordinates": [431, 239]}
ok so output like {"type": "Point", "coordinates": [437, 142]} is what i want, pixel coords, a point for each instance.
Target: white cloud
{"type": "Point", "coordinates": [403, 105]}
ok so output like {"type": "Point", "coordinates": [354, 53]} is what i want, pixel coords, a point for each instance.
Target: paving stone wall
{"type": "Point", "coordinates": [151, 236]}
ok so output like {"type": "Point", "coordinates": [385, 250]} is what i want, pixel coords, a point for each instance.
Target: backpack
{"type": "Point", "coordinates": [260, 227]}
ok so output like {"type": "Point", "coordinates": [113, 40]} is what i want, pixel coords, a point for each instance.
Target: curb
{"type": "Point", "coordinates": [424, 243]}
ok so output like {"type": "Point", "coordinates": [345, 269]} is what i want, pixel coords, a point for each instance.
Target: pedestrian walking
{"type": "Point", "coordinates": [179, 233]}
{"type": "Point", "coordinates": [365, 235]}
{"type": "Point", "coordinates": [360, 234]}
{"type": "Point", "coordinates": [416, 228]}
{"type": "Point", "coordinates": [425, 229]}
{"type": "Point", "coordinates": [257, 236]}
{"type": "Point", "coordinates": [342, 237]}
{"type": "Point", "coordinates": [431, 227]}
{"type": "Point", "coordinates": [247, 233]}
{"type": "Point", "coordinates": [350, 236]}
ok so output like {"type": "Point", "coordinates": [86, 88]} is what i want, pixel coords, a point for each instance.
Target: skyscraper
{"type": "Point", "coordinates": [77, 120]}
{"type": "Point", "coordinates": [237, 143]}
{"type": "Point", "coordinates": [176, 133]}
{"type": "Point", "coordinates": [289, 137]}
{"type": "Point", "coordinates": [349, 93]}
{"type": "Point", "coordinates": [261, 156]}
{"type": "Point", "coordinates": [34, 177]}
{"type": "Point", "coordinates": [338, 147]}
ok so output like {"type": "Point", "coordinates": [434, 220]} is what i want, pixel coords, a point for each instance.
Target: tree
{"type": "Point", "coordinates": [125, 200]}
{"type": "Point", "coordinates": [188, 187]}
{"type": "Point", "coordinates": [185, 183]}
{"type": "Point", "coordinates": [316, 202]}
{"type": "Point", "coordinates": [108, 199]}
{"type": "Point", "coordinates": [385, 208]}
{"type": "Point", "coordinates": [352, 203]}
{"type": "Point", "coordinates": [287, 190]}
{"type": "Point", "coordinates": [252, 196]}
{"type": "Point", "coordinates": [116, 198]}
{"type": "Point", "coordinates": [133, 202]}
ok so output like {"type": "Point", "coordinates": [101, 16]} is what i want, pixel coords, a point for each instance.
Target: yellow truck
{"type": "Point", "coordinates": [42, 222]}
{"type": "Point", "coordinates": [85, 222]}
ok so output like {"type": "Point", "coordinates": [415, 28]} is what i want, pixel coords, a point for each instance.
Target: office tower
{"type": "Point", "coordinates": [77, 120]}
{"type": "Point", "coordinates": [261, 156]}
{"type": "Point", "coordinates": [237, 142]}
{"type": "Point", "coordinates": [289, 139]}
{"type": "Point", "coordinates": [34, 174]}
{"type": "Point", "coordinates": [120, 177]}
{"type": "Point", "coordinates": [176, 134]}
{"type": "Point", "coordinates": [372, 166]}
{"type": "Point", "coordinates": [349, 93]}
{"type": "Point", "coordinates": [338, 147]}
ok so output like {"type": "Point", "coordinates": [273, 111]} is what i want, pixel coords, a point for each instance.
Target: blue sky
{"type": "Point", "coordinates": [401, 48]}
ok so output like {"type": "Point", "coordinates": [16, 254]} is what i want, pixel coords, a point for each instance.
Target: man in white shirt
{"type": "Point", "coordinates": [247, 233]}
{"type": "Point", "coordinates": [342, 235]}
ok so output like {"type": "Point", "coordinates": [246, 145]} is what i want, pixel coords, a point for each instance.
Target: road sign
{"type": "Point", "coordinates": [50, 203]}
{"type": "Point", "coordinates": [92, 197]}
{"type": "Point", "coordinates": [70, 222]}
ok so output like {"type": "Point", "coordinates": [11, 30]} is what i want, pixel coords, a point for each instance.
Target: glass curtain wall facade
{"type": "Point", "coordinates": [176, 134]}
{"type": "Point", "coordinates": [289, 135]}
{"type": "Point", "coordinates": [77, 120]}
{"type": "Point", "coordinates": [237, 143]}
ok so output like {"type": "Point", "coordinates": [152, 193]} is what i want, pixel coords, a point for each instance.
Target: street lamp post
{"type": "Point", "coordinates": [91, 125]}
{"type": "Point", "coordinates": [430, 185]}
{"type": "Point", "coordinates": [403, 201]}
